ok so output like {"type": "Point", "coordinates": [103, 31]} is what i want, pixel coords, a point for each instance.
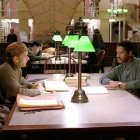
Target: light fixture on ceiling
{"type": "Point", "coordinates": [117, 8]}
{"type": "Point", "coordinates": [91, 8]}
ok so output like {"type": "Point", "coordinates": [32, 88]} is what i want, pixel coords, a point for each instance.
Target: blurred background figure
{"type": "Point", "coordinates": [98, 41]}
{"type": "Point", "coordinates": [34, 54]}
{"type": "Point", "coordinates": [135, 36]}
{"type": "Point", "coordinates": [35, 51]}
{"type": "Point", "coordinates": [12, 37]}
{"type": "Point", "coordinates": [98, 44]}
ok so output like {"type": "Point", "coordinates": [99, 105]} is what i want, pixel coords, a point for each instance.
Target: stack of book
{"type": "Point", "coordinates": [73, 81]}
{"type": "Point", "coordinates": [84, 75]}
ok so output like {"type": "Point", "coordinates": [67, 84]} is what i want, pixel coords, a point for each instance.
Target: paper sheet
{"type": "Point", "coordinates": [31, 102]}
{"type": "Point", "coordinates": [95, 90]}
{"type": "Point", "coordinates": [56, 86]}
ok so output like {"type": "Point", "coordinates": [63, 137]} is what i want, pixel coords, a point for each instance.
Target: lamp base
{"type": "Point", "coordinates": [79, 96]}
{"type": "Point", "coordinates": [69, 75]}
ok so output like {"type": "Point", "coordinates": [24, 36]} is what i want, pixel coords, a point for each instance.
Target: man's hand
{"type": "Point", "coordinates": [115, 84]}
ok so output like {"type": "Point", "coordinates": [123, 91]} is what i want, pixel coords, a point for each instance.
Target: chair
{"type": "Point", "coordinates": [5, 108]}
{"type": "Point", "coordinates": [99, 66]}
{"type": "Point", "coordinates": [59, 65]}
{"type": "Point", "coordinates": [3, 101]}
{"type": "Point", "coordinates": [2, 60]}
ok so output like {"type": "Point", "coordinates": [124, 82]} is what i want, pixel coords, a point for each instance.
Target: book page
{"type": "Point", "coordinates": [32, 102]}
{"type": "Point", "coordinates": [95, 90]}
{"type": "Point", "coordinates": [56, 86]}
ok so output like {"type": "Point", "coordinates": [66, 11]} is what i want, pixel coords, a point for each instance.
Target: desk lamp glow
{"type": "Point", "coordinates": [70, 41]}
{"type": "Point", "coordinates": [83, 45]}
{"type": "Point", "coordinates": [57, 39]}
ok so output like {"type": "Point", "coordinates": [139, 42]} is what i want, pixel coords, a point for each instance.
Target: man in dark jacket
{"type": "Point", "coordinates": [12, 37]}
{"type": "Point", "coordinates": [98, 44]}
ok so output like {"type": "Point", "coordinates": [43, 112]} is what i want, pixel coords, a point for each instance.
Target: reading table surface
{"type": "Point", "coordinates": [116, 112]}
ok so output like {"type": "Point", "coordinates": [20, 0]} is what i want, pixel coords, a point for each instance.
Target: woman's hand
{"type": "Point", "coordinates": [39, 86]}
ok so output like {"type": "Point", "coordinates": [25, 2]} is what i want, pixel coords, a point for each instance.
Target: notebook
{"type": "Point", "coordinates": [27, 103]}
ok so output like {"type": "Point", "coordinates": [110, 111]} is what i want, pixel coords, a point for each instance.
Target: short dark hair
{"type": "Point", "coordinates": [35, 43]}
{"type": "Point", "coordinates": [127, 45]}
{"type": "Point", "coordinates": [96, 31]}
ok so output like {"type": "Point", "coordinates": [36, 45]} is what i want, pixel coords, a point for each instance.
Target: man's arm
{"type": "Point", "coordinates": [35, 57]}
{"type": "Point", "coordinates": [134, 84]}
{"type": "Point", "coordinates": [109, 76]}
{"type": "Point", "coordinates": [117, 77]}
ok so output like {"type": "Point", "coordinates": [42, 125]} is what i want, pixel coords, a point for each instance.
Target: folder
{"type": "Point", "coordinates": [27, 103]}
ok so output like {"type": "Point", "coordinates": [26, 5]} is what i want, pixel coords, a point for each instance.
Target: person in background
{"type": "Point", "coordinates": [75, 55]}
{"type": "Point", "coordinates": [35, 54]}
{"type": "Point", "coordinates": [98, 41]}
{"type": "Point", "coordinates": [98, 44]}
{"type": "Point", "coordinates": [135, 36]}
{"type": "Point", "coordinates": [35, 51]}
{"type": "Point", "coordinates": [11, 80]}
{"type": "Point", "coordinates": [127, 74]}
{"type": "Point", "coordinates": [11, 37]}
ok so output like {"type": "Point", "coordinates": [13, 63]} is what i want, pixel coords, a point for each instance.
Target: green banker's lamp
{"type": "Point", "coordinates": [70, 41]}
{"type": "Point", "coordinates": [84, 45]}
{"type": "Point", "coordinates": [57, 38]}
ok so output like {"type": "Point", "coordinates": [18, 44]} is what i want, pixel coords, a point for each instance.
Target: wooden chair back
{"type": "Point", "coordinates": [99, 66]}
{"type": "Point", "coordinates": [59, 65]}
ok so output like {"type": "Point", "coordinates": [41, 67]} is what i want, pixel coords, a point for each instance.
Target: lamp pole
{"type": "Point", "coordinates": [69, 74]}
{"type": "Point", "coordinates": [79, 94]}
{"type": "Point", "coordinates": [70, 41]}
{"type": "Point", "coordinates": [84, 45]}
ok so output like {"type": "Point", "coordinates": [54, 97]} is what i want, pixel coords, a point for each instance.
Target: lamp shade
{"type": "Point", "coordinates": [57, 38]}
{"type": "Point", "coordinates": [73, 41]}
{"type": "Point", "coordinates": [84, 45]}
{"type": "Point", "coordinates": [70, 41]}
{"type": "Point", "coordinates": [65, 40]}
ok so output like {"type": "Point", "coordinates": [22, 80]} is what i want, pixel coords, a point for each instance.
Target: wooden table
{"type": "Point", "coordinates": [105, 115]}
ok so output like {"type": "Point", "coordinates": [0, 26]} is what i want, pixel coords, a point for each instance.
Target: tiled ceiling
{"type": "Point", "coordinates": [51, 15]}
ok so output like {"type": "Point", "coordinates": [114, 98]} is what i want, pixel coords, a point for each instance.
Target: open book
{"type": "Point", "coordinates": [55, 86]}
{"type": "Point", "coordinates": [26, 103]}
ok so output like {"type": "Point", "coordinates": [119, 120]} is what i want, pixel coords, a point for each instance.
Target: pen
{"type": "Point", "coordinates": [43, 83]}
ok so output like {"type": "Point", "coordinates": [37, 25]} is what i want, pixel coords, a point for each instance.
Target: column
{"type": "Point", "coordinates": [110, 32]}
{"type": "Point", "coordinates": [24, 30]}
{"type": "Point", "coordinates": [124, 29]}
{"type": "Point", "coordinates": [119, 34]}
